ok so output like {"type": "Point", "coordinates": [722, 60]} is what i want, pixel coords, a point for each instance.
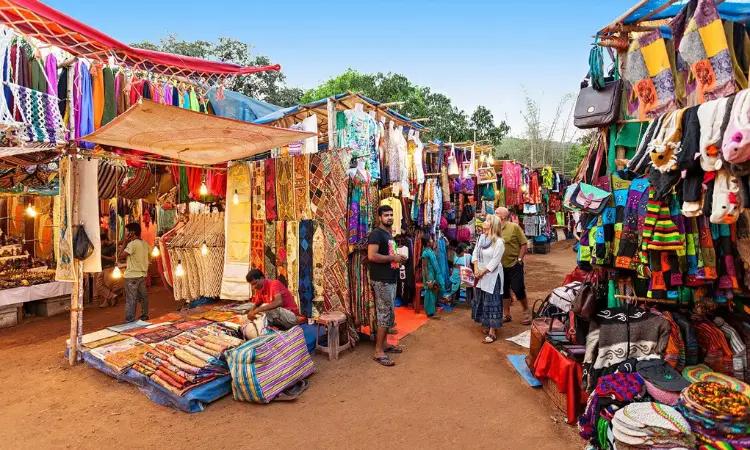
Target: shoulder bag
{"type": "Point", "coordinates": [598, 106]}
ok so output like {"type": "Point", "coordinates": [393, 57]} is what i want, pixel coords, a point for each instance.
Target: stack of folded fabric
{"type": "Point", "coordinates": [651, 425]}
{"type": "Point", "coordinates": [717, 414]}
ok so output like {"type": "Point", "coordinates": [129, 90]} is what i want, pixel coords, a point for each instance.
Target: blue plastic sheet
{"type": "Point", "coordinates": [239, 107]}
{"type": "Point", "coordinates": [735, 10]}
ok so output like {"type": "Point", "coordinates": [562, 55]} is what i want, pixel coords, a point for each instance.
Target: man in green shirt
{"type": "Point", "coordinates": [135, 251]}
{"type": "Point", "coordinates": [516, 245]}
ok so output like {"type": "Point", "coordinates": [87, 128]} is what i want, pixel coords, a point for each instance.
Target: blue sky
{"type": "Point", "coordinates": [476, 52]}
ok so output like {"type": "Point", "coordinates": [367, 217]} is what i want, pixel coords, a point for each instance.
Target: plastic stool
{"type": "Point", "coordinates": [332, 321]}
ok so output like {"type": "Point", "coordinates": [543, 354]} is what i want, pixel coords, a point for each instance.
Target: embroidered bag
{"type": "Point", "coordinates": [590, 198]}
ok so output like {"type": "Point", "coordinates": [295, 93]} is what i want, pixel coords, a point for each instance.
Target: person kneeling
{"type": "Point", "coordinates": [274, 300]}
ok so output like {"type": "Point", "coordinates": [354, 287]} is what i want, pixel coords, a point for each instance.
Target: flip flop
{"type": "Point", "coordinates": [293, 392]}
{"type": "Point", "coordinates": [491, 339]}
{"type": "Point", "coordinates": [392, 331]}
{"type": "Point", "coordinates": [394, 349]}
{"type": "Point", "coordinates": [384, 361]}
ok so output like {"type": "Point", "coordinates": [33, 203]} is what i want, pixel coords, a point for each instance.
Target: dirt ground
{"type": "Point", "coordinates": [447, 391]}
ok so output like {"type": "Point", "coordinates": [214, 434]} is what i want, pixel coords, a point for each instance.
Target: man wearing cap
{"type": "Point", "coordinates": [135, 251]}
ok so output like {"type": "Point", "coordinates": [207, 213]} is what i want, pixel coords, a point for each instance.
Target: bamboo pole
{"type": "Point", "coordinates": [331, 123]}
{"type": "Point", "coordinates": [76, 294]}
{"type": "Point", "coordinates": [657, 10]}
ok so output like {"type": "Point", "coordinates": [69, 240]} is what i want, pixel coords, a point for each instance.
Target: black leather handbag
{"type": "Point", "coordinates": [598, 108]}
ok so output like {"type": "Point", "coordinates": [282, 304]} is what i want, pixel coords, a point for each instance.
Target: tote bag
{"type": "Point", "coordinates": [265, 366]}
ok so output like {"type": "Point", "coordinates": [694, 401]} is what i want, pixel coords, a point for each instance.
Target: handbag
{"type": "Point", "coordinates": [586, 302]}
{"type": "Point", "coordinates": [590, 198]}
{"type": "Point", "coordinates": [82, 246]}
{"type": "Point", "coordinates": [264, 367]}
{"type": "Point", "coordinates": [453, 171]}
{"type": "Point", "coordinates": [563, 296]}
{"type": "Point", "coordinates": [466, 275]}
{"type": "Point", "coordinates": [598, 106]}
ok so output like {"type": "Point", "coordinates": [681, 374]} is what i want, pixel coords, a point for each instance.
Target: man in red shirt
{"type": "Point", "coordinates": [274, 300]}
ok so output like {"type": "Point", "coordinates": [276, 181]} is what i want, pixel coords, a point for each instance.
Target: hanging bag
{"type": "Point", "coordinates": [598, 104]}
{"type": "Point", "coordinates": [585, 196]}
{"type": "Point", "coordinates": [82, 246]}
{"type": "Point", "coordinates": [453, 170]}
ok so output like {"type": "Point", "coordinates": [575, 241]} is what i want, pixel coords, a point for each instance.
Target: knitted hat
{"type": "Point", "coordinates": [660, 395]}
{"type": "Point", "coordinates": [726, 206]}
{"type": "Point", "coordinates": [710, 116]}
{"type": "Point", "coordinates": [736, 144]}
{"type": "Point", "coordinates": [665, 146]}
{"type": "Point", "coordinates": [661, 374]}
{"type": "Point", "coordinates": [703, 373]}
{"type": "Point", "coordinates": [639, 162]}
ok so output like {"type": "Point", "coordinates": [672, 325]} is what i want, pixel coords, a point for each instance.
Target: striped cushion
{"type": "Point", "coordinates": [110, 176]}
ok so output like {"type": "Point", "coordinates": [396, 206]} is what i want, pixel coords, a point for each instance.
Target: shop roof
{"type": "Point", "coordinates": [190, 136]}
{"type": "Point", "coordinates": [649, 10]}
{"type": "Point", "coordinates": [37, 20]}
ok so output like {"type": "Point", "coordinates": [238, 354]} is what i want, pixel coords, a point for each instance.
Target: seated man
{"type": "Point", "coordinates": [274, 300]}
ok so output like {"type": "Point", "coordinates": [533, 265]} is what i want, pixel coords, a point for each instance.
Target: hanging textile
{"type": "Point", "coordinates": [259, 190]}
{"type": "Point", "coordinates": [257, 242]}
{"type": "Point", "coordinates": [281, 269]}
{"type": "Point", "coordinates": [302, 187]}
{"type": "Point", "coordinates": [88, 210]}
{"type": "Point", "coordinates": [317, 185]}
{"type": "Point", "coordinates": [334, 209]}
{"type": "Point", "coordinates": [362, 304]}
{"type": "Point", "coordinates": [85, 119]}
{"type": "Point", "coordinates": [97, 92]}
{"type": "Point", "coordinates": [139, 185]}
{"type": "Point", "coordinates": [40, 114]}
{"type": "Point", "coordinates": [269, 250]}
{"type": "Point", "coordinates": [306, 290]}
{"type": "Point", "coordinates": [360, 208]}
{"type": "Point", "coordinates": [110, 177]}
{"type": "Point", "coordinates": [234, 286]}
{"type": "Point", "coordinates": [319, 258]}
{"type": "Point", "coordinates": [110, 96]}
{"type": "Point", "coordinates": [64, 270]}
{"type": "Point", "coordinates": [270, 172]}
{"type": "Point", "coordinates": [50, 70]}
{"type": "Point", "coordinates": [285, 188]}
{"type": "Point", "coordinates": [292, 259]}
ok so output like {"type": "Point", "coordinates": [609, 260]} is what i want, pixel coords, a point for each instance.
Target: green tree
{"type": "Point", "coordinates": [447, 122]}
{"type": "Point", "coordinates": [267, 86]}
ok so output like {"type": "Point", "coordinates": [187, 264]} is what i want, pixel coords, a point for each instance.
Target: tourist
{"type": "Point", "coordinates": [103, 280]}
{"type": "Point", "coordinates": [135, 253]}
{"type": "Point", "coordinates": [274, 300]}
{"type": "Point", "coordinates": [461, 258]}
{"type": "Point", "coordinates": [384, 264]}
{"type": "Point", "coordinates": [433, 282]}
{"type": "Point", "coordinates": [516, 245]}
{"type": "Point", "coordinates": [487, 307]}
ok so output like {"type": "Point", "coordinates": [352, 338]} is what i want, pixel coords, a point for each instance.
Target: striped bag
{"type": "Point", "coordinates": [267, 365]}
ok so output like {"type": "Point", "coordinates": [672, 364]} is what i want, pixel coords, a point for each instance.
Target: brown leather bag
{"type": "Point", "coordinates": [597, 108]}
{"type": "Point", "coordinates": [585, 303]}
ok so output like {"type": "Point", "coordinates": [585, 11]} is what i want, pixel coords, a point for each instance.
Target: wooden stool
{"type": "Point", "coordinates": [418, 298]}
{"type": "Point", "coordinates": [332, 321]}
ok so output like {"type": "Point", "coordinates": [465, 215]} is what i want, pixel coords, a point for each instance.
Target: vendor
{"type": "Point", "coordinates": [274, 300]}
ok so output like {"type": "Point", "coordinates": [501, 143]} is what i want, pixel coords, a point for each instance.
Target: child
{"type": "Point", "coordinates": [461, 258]}
{"type": "Point", "coordinates": [433, 282]}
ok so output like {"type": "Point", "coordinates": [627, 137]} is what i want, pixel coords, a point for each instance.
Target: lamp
{"type": "Point", "coordinates": [179, 271]}
{"type": "Point", "coordinates": [236, 198]}
{"type": "Point", "coordinates": [204, 249]}
{"type": "Point", "coordinates": [31, 211]}
{"type": "Point", "coordinates": [203, 190]}
{"type": "Point", "coordinates": [155, 252]}
{"type": "Point", "coordinates": [116, 274]}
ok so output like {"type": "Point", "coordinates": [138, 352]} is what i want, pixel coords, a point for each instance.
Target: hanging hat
{"type": "Point", "coordinates": [711, 116]}
{"type": "Point", "coordinates": [726, 207]}
{"type": "Point", "coordinates": [662, 375]}
{"type": "Point", "coordinates": [665, 146]}
{"type": "Point", "coordinates": [639, 162]}
{"type": "Point", "coordinates": [735, 146]}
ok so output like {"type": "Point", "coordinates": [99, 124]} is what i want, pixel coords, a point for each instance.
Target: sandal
{"type": "Point", "coordinates": [394, 349]}
{"type": "Point", "coordinates": [526, 318]}
{"type": "Point", "coordinates": [293, 392]}
{"type": "Point", "coordinates": [489, 339]}
{"type": "Point", "coordinates": [507, 319]}
{"type": "Point", "coordinates": [384, 361]}
{"type": "Point", "coordinates": [392, 331]}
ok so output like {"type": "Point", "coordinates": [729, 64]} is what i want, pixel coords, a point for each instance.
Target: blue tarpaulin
{"type": "Point", "coordinates": [237, 106]}
{"type": "Point", "coordinates": [734, 10]}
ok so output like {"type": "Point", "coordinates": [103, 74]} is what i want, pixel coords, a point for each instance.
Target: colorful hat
{"type": "Point", "coordinates": [703, 373]}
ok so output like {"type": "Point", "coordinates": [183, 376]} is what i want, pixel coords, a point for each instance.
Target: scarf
{"type": "Point", "coordinates": [270, 200]}
{"type": "Point", "coordinates": [110, 96]}
{"type": "Point", "coordinates": [302, 187]}
{"type": "Point", "coordinates": [259, 190]}
{"type": "Point", "coordinates": [97, 82]}
{"type": "Point", "coordinates": [284, 188]}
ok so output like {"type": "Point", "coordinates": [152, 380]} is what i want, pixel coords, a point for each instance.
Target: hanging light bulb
{"type": "Point", "coordinates": [203, 190]}
{"type": "Point", "coordinates": [490, 159]}
{"type": "Point", "coordinates": [116, 274]}
{"type": "Point", "coordinates": [179, 271]}
{"type": "Point", "coordinates": [236, 198]}
{"type": "Point", "coordinates": [204, 249]}
{"type": "Point", "coordinates": [482, 158]}
{"type": "Point", "coordinates": [524, 188]}
{"type": "Point", "coordinates": [31, 211]}
{"type": "Point", "coordinates": [155, 252]}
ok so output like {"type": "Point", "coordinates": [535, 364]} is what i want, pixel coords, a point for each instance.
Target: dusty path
{"type": "Point", "coordinates": [447, 391]}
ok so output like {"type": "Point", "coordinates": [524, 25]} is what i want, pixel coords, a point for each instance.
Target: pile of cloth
{"type": "Point", "coordinates": [718, 415]}
{"type": "Point", "coordinates": [650, 425]}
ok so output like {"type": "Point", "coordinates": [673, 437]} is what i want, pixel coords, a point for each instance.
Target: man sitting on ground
{"type": "Point", "coordinates": [274, 300]}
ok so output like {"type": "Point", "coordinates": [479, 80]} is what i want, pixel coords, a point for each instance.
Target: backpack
{"type": "Point", "coordinates": [563, 296]}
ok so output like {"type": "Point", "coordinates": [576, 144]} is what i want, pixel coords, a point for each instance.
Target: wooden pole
{"type": "Point", "coordinates": [331, 123]}
{"type": "Point", "coordinates": [77, 291]}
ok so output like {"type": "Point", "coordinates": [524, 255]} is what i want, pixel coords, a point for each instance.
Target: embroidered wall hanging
{"type": "Point", "coordinates": [281, 272]}
{"type": "Point", "coordinates": [257, 242]}
{"type": "Point", "coordinates": [238, 216]}
{"type": "Point", "coordinates": [285, 189]}
{"type": "Point", "coordinates": [269, 250]}
{"type": "Point", "coordinates": [306, 290]}
{"type": "Point", "coordinates": [64, 271]}
{"type": "Point", "coordinates": [292, 259]}
{"type": "Point", "coordinates": [259, 190]}
{"type": "Point", "coordinates": [319, 260]}
{"type": "Point", "coordinates": [317, 184]}
{"type": "Point", "coordinates": [270, 168]}
{"type": "Point", "coordinates": [302, 187]}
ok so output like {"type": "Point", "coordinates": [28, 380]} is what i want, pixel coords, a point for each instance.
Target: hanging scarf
{"type": "Point", "coordinates": [85, 123]}
{"type": "Point", "coordinates": [285, 188]}
{"type": "Point", "coordinates": [306, 289]}
{"type": "Point", "coordinates": [259, 190]}
{"type": "Point", "coordinates": [257, 241]}
{"type": "Point", "coordinates": [269, 250]}
{"type": "Point", "coordinates": [97, 83]}
{"type": "Point", "coordinates": [302, 187]}
{"type": "Point", "coordinates": [110, 96]}
{"type": "Point", "coordinates": [270, 200]}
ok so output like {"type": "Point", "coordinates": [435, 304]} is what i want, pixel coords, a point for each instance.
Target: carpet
{"type": "Point", "coordinates": [406, 323]}
{"type": "Point", "coordinates": [519, 363]}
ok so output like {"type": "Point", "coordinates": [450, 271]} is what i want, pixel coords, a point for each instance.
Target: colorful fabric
{"type": "Point", "coordinates": [431, 273]}
{"type": "Point", "coordinates": [647, 68]}
{"type": "Point", "coordinates": [716, 413]}
{"type": "Point", "coordinates": [64, 248]}
{"type": "Point", "coordinates": [292, 259]}
{"type": "Point", "coordinates": [334, 212]}
{"type": "Point", "coordinates": [714, 348]}
{"type": "Point", "coordinates": [269, 251]}
{"type": "Point", "coordinates": [317, 185]}
{"type": "Point", "coordinates": [703, 374]}
{"type": "Point", "coordinates": [259, 190]}
{"type": "Point", "coordinates": [257, 241]}
{"type": "Point", "coordinates": [360, 209]}
{"type": "Point", "coordinates": [285, 189]}
{"type": "Point", "coordinates": [306, 289]}
{"type": "Point", "coordinates": [270, 172]}
{"type": "Point", "coordinates": [40, 115]}
{"type": "Point", "coordinates": [139, 185]}
{"type": "Point", "coordinates": [302, 187]}
{"type": "Point", "coordinates": [109, 179]}
{"type": "Point", "coordinates": [319, 261]}
{"type": "Point", "coordinates": [281, 267]}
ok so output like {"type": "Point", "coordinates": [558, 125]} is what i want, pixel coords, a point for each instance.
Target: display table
{"type": "Point", "coordinates": [566, 374]}
{"type": "Point", "coordinates": [25, 294]}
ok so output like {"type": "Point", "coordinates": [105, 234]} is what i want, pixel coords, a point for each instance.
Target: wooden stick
{"type": "Point", "coordinates": [74, 317]}
{"type": "Point", "coordinates": [647, 300]}
{"type": "Point", "coordinates": [657, 10]}
{"type": "Point", "coordinates": [625, 15]}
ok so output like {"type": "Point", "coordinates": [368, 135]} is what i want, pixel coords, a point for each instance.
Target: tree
{"type": "Point", "coordinates": [267, 86]}
{"type": "Point", "coordinates": [447, 122]}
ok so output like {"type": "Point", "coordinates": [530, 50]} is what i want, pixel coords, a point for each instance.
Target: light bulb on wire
{"type": "Point", "coordinates": [116, 274]}
{"type": "Point", "coordinates": [236, 198]}
{"type": "Point", "coordinates": [31, 211]}
{"type": "Point", "coordinates": [482, 158]}
{"type": "Point", "coordinates": [179, 271]}
{"type": "Point", "coordinates": [155, 252]}
{"type": "Point", "coordinates": [203, 190]}
{"type": "Point", "coordinates": [204, 249]}
{"type": "Point", "coordinates": [490, 159]}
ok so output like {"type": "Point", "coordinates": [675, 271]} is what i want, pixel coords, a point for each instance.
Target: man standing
{"type": "Point", "coordinates": [384, 264]}
{"type": "Point", "coordinates": [516, 245]}
{"type": "Point", "coordinates": [274, 300]}
{"type": "Point", "coordinates": [135, 252]}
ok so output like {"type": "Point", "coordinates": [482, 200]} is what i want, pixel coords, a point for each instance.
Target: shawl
{"type": "Point", "coordinates": [281, 253]}
{"type": "Point", "coordinates": [292, 259]}
{"type": "Point", "coordinates": [110, 96]}
{"type": "Point", "coordinates": [270, 200]}
{"type": "Point", "coordinates": [40, 114]}
{"type": "Point", "coordinates": [97, 83]}
{"type": "Point", "coordinates": [257, 242]}
{"type": "Point", "coordinates": [306, 289]}
{"type": "Point", "coordinates": [269, 250]}
{"type": "Point", "coordinates": [50, 69]}
{"type": "Point", "coordinates": [319, 258]}
{"type": "Point", "coordinates": [38, 77]}
{"type": "Point", "coordinates": [317, 185]}
{"type": "Point", "coordinates": [123, 97]}
{"type": "Point", "coordinates": [259, 190]}
{"type": "Point", "coordinates": [85, 122]}
{"type": "Point", "coordinates": [285, 188]}
{"type": "Point", "coordinates": [62, 93]}
{"type": "Point", "coordinates": [302, 187]}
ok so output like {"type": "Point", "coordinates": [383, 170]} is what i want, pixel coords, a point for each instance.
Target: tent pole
{"type": "Point", "coordinates": [75, 305]}
{"type": "Point", "coordinates": [331, 106]}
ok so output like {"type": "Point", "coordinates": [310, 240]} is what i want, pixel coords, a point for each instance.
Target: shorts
{"type": "Point", "coordinates": [513, 280]}
{"type": "Point", "coordinates": [384, 294]}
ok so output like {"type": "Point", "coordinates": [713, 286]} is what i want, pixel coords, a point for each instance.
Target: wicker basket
{"type": "Point", "coordinates": [559, 399]}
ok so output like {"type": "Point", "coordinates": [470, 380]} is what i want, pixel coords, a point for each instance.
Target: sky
{"type": "Point", "coordinates": [477, 52]}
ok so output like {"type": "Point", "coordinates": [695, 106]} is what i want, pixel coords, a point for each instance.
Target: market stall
{"type": "Point", "coordinates": [655, 321]}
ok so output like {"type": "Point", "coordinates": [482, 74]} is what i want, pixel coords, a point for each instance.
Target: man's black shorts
{"type": "Point", "coordinates": [513, 280]}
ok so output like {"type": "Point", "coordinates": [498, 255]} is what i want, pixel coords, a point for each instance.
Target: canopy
{"type": "Point", "coordinates": [190, 136]}
{"type": "Point", "coordinates": [35, 19]}
{"type": "Point", "coordinates": [734, 10]}
{"type": "Point", "coordinates": [234, 105]}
